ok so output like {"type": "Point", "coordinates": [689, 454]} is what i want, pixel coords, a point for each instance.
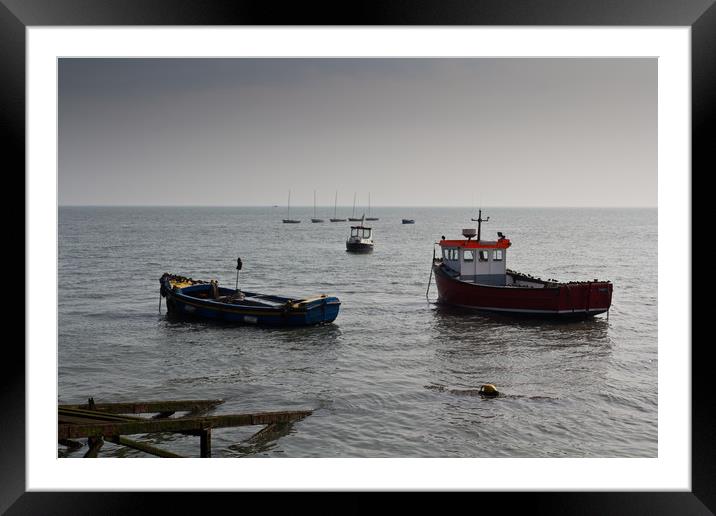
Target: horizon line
{"type": "Point", "coordinates": [326, 206]}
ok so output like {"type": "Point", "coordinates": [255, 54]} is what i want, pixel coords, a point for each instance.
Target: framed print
{"type": "Point", "coordinates": [160, 144]}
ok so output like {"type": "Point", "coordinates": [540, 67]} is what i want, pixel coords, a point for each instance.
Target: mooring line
{"type": "Point", "coordinates": [430, 279]}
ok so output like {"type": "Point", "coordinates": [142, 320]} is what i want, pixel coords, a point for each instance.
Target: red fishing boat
{"type": "Point", "coordinates": [472, 273]}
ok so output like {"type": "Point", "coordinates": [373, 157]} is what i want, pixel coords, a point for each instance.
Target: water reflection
{"type": "Point", "coordinates": [450, 323]}
{"type": "Point", "coordinates": [173, 320]}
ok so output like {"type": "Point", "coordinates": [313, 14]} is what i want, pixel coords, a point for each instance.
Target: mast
{"type": "Point", "coordinates": [335, 206]}
{"type": "Point", "coordinates": [314, 204]}
{"type": "Point", "coordinates": [480, 220]}
{"type": "Point", "coordinates": [289, 205]}
{"type": "Point", "coordinates": [354, 204]}
{"type": "Point", "coordinates": [369, 204]}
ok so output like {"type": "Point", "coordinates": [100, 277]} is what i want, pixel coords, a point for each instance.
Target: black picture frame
{"type": "Point", "coordinates": [700, 15]}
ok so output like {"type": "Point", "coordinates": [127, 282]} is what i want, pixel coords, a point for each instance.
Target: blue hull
{"type": "Point", "coordinates": [256, 309]}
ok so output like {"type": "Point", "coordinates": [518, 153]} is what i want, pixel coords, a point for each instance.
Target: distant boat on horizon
{"type": "Point", "coordinates": [314, 219]}
{"type": "Point", "coordinates": [369, 217]}
{"type": "Point", "coordinates": [354, 218]}
{"type": "Point", "coordinates": [335, 209]}
{"type": "Point", "coordinates": [408, 221]}
{"type": "Point", "coordinates": [288, 219]}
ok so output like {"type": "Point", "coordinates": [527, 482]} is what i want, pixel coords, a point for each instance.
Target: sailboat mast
{"type": "Point", "coordinates": [314, 204]}
{"type": "Point", "coordinates": [288, 216]}
{"type": "Point", "coordinates": [354, 204]}
{"type": "Point", "coordinates": [335, 206]}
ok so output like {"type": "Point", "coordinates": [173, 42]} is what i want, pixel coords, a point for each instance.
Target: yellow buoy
{"type": "Point", "coordinates": [489, 390]}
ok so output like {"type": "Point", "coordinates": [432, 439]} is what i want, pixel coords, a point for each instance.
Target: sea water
{"type": "Point", "coordinates": [393, 376]}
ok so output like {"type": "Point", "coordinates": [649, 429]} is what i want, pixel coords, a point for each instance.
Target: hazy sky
{"type": "Point", "coordinates": [412, 132]}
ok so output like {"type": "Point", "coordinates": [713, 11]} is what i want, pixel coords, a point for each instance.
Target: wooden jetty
{"type": "Point", "coordinates": [110, 421]}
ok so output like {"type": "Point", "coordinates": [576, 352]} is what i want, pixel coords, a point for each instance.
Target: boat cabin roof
{"type": "Point", "coordinates": [502, 243]}
{"type": "Point", "coordinates": [360, 227]}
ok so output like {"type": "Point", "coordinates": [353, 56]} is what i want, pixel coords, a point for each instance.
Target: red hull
{"type": "Point", "coordinates": [561, 299]}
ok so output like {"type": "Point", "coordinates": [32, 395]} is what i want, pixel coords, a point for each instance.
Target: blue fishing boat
{"type": "Point", "coordinates": [206, 300]}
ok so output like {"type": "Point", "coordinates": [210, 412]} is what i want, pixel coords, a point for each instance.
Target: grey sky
{"type": "Point", "coordinates": [420, 132]}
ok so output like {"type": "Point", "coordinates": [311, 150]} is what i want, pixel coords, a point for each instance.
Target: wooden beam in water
{"type": "Point", "coordinates": [147, 407]}
{"type": "Point", "coordinates": [94, 443]}
{"type": "Point", "coordinates": [73, 445]}
{"type": "Point", "coordinates": [197, 424]}
{"type": "Point", "coordinates": [147, 448]}
{"type": "Point", "coordinates": [270, 432]}
{"type": "Point", "coordinates": [95, 415]}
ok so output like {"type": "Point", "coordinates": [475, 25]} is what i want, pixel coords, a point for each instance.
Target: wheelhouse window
{"type": "Point", "coordinates": [468, 255]}
{"type": "Point", "coordinates": [450, 253]}
{"type": "Point", "coordinates": [484, 255]}
{"type": "Point", "coordinates": [497, 255]}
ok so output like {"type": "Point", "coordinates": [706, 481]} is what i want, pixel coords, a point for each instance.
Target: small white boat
{"type": "Point", "coordinates": [361, 239]}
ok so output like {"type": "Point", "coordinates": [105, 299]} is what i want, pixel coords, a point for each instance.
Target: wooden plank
{"type": "Point", "coordinates": [146, 407]}
{"type": "Point", "coordinates": [74, 420]}
{"type": "Point", "coordinates": [308, 300]}
{"type": "Point", "coordinates": [145, 426]}
{"type": "Point", "coordinates": [95, 415]}
{"type": "Point", "coordinates": [147, 448]}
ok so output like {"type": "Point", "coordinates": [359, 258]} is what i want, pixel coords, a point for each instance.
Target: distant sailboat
{"type": "Point", "coordinates": [369, 217]}
{"type": "Point", "coordinates": [354, 210]}
{"type": "Point", "coordinates": [314, 219]}
{"type": "Point", "coordinates": [289, 220]}
{"type": "Point", "coordinates": [335, 209]}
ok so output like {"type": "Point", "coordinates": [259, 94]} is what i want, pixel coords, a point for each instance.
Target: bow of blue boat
{"type": "Point", "coordinates": [206, 300]}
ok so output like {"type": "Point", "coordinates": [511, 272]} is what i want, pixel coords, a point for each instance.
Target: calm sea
{"type": "Point", "coordinates": [393, 376]}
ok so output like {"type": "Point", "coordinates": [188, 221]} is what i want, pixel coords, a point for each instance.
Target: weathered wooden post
{"type": "Point", "coordinates": [94, 443]}
{"type": "Point", "coordinates": [205, 442]}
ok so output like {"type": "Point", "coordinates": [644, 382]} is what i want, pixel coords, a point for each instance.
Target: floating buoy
{"type": "Point", "coordinates": [488, 390]}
